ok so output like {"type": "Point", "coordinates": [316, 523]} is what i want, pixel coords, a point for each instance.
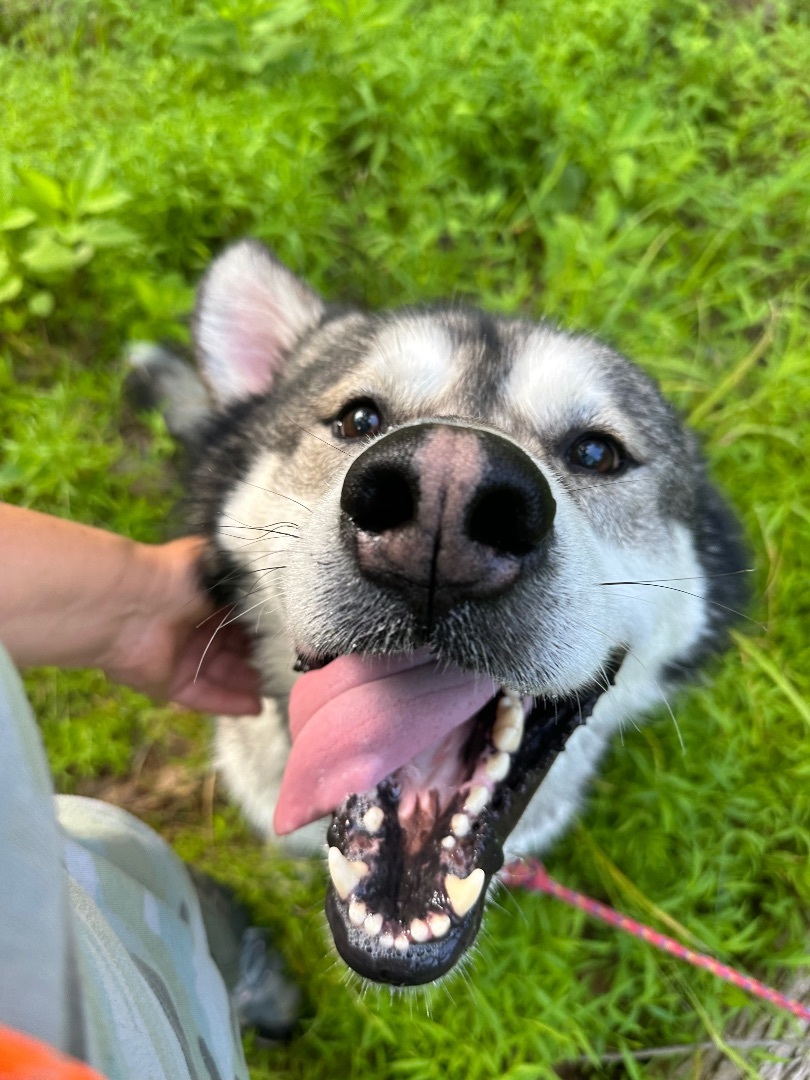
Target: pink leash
{"type": "Point", "coordinates": [531, 874]}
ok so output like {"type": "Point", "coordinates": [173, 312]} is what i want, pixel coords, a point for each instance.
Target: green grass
{"type": "Point", "coordinates": [637, 169]}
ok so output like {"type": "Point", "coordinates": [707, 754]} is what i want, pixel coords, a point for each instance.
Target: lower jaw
{"type": "Point", "coordinates": [417, 964]}
{"type": "Point", "coordinates": [436, 920]}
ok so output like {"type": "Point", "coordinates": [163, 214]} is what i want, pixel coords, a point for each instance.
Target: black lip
{"type": "Point", "coordinates": [421, 964]}
{"type": "Point", "coordinates": [548, 728]}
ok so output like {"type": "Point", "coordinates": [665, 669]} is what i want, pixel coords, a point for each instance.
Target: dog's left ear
{"type": "Point", "coordinates": [251, 311]}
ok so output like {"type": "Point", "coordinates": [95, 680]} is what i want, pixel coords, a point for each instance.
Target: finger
{"type": "Point", "coordinates": [229, 672]}
{"type": "Point", "coordinates": [212, 671]}
{"type": "Point", "coordinates": [234, 639]}
{"type": "Point", "coordinates": [216, 699]}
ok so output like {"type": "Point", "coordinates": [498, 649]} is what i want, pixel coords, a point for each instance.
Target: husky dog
{"type": "Point", "coordinates": [470, 548]}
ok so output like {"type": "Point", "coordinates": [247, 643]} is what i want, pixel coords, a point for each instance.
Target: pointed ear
{"type": "Point", "coordinates": [251, 310]}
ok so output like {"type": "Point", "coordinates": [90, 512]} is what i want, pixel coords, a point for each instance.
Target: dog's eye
{"type": "Point", "coordinates": [357, 420]}
{"type": "Point", "coordinates": [596, 453]}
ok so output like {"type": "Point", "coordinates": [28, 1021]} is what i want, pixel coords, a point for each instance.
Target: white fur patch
{"type": "Point", "coordinates": [413, 363]}
{"type": "Point", "coordinates": [557, 381]}
{"type": "Point", "coordinates": [658, 621]}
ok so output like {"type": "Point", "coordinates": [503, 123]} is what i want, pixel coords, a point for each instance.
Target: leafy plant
{"type": "Point", "coordinates": [49, 230]}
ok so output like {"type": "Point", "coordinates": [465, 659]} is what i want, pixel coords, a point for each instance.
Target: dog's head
{"type": "Point", "coordinates": [482, 543]}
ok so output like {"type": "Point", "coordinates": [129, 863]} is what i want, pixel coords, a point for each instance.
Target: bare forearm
{"type": "Point", "coordinates": [65, 588]}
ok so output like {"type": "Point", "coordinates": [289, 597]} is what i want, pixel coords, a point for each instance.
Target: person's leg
{"type": "Point", "coordinates": [122, 870]}
{"type": "Point", "coordinates": [106, 959]}
{"type": "Point", "coordinates": [35, 925]}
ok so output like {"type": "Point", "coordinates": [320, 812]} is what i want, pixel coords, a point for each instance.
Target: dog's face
{"type": "Point", "coordinates": [485, 543]}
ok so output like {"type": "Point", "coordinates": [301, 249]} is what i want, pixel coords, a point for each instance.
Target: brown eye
{"type": "Point", "coordinates": [596, 453]}
{"type": "Point", "coordinates": [358, 420]}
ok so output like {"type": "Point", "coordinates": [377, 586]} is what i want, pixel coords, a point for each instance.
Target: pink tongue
{"type": "Point", "coordinates": [359, 718]}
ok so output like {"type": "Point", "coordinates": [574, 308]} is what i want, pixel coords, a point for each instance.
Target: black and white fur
{"type": "Point", "coordinates": [647, 560]}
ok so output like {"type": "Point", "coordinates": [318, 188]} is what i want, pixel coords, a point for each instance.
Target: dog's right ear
{"type": "Point", "coordinates": [251, 310]}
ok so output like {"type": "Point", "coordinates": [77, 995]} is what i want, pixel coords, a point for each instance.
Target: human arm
{"type": "Point", "coordinates": [75, 596]}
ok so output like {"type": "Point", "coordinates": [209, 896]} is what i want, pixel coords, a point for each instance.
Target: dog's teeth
{"type": "Point", "coordinates": [460, 824]}
{"type": "Point", "coordinates": [373, 924]}
{"type": "Point", "coordinates": [508, 731]}
{"type": "Point", "coordinates": [373, 819]}
{"type": "Point", "coordinates": [439, 924]}
{"type": "Point", "coordinates": [476, 800]}
{"type": "Point", "coordinates": [419, 930]}
{"type": "Point", "coordinates": [507, 739]}
{"type": "Point", "coordinates": [401, 943]}
{"type": "Point", "coordinates": [448, 843]}
{"type": "Point", "coordinates": [387, 940]}
{"type": "Point", "coordinates": [463, 892]}
{"type": "Point", "coordinates": [357, 912]}
{"type": "Point", "coordinates": [345, 875]}
{"type": "Point", "coordinates": [497, 767]}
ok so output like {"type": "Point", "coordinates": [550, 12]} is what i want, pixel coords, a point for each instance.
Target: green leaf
{"type": "Point", "coordinates": [41, 304]}
{"type": "Point", "coordinates": [44, 189]}
{"type": "Point", "coordinates": [208, 39]}
{"type": "Point", "coordinates": [164, 298]}
{"type": "Point", "coordinates": [267, 53]}
{"type": "Point", "coordinates": [11, 474]}
{"type": "Point", "coordinates": [625, 168]}
{"type": "Point", "coordinates": [92, 172]}
{"type": "Point", "coordinates": [106, 233]}
{"type": "Point", "coordinates": [17, 219]}
{"type": "Point", "coordinates": [99, 233]}
{"type": "Point", "coordinates": [10, 288]}
{"type": "Point", "coordinates": [48, 257]}
{"type": "Point", "coordinates": [285, 16]}
{"type": "Point", "coordinates": [103, 202]}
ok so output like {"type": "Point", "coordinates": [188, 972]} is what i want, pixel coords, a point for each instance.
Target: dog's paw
{"type": "Point", "coordinates": [266, 1000]}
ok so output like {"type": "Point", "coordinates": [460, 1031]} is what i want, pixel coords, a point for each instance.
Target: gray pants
{"type": "Point", "coordinates": [103, 953]}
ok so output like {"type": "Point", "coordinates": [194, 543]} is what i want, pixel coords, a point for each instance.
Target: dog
{"type": "Point", "coordinates": [469, 548]}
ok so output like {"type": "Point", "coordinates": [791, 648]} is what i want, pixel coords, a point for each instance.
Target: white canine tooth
{"type": "Point", "coordinates": [419, 930]}
{"type": "Point", "coordinates": [448, 843]}
{"type": "Point", "coordinates": [373, 925]}
{"type": "Point", "coordinates": [507, 738]}
{"type": "Point", "coordinates": [463, 892]}
{"type": "Point", "coordinates": [498, 766]}
{"type": "Point", "coordinates": [476, 800]}
{"type": "Point", "coordinates": [439, 924]}
{"type": "Point", "coordinates": [387, 940]}
{"type": "Point", "coordinates": [401, 943]}
{"type": "Point", "coordinates": [373, 819]}
{"type": "Point", "coordinates": [345, 875]}
{"type": "Point", "coordinates": [460, 824]}
{"type": "Point", "coordinates": [357, 912]}
{"type": "Point", "coordinates": [508, 731]}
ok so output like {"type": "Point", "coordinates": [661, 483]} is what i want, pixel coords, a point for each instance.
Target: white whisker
{"type": "Point", "coordinates": [210, 643]}
{"type": "Point", "coordinates": [686, 592]}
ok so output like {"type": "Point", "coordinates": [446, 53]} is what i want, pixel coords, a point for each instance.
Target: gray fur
{"type": "Point", "coordinates": [266, 494]}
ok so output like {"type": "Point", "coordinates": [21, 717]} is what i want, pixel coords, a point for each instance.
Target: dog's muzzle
{"type": "Point", "coordinates": [441, 513]}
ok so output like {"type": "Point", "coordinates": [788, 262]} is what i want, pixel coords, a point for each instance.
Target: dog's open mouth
{"type": "Point", "coordinates": [440, 765]}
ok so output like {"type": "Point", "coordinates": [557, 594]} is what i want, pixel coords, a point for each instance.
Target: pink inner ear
{"type": "Point", "coordinates": [258, 338]}
{"type": "Point", "coordinates": [252, 311]}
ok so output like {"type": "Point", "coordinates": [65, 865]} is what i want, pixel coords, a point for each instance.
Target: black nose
{"type": "Point", "coordinates": [456, 511]}
{"type": "Point", "coordinates": [380, 495]}
{"type": "Point", "coordinates": [512, 509]}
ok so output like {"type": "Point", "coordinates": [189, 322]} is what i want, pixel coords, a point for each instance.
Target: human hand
{"type": "Point", "coordinates": [172, 643]}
